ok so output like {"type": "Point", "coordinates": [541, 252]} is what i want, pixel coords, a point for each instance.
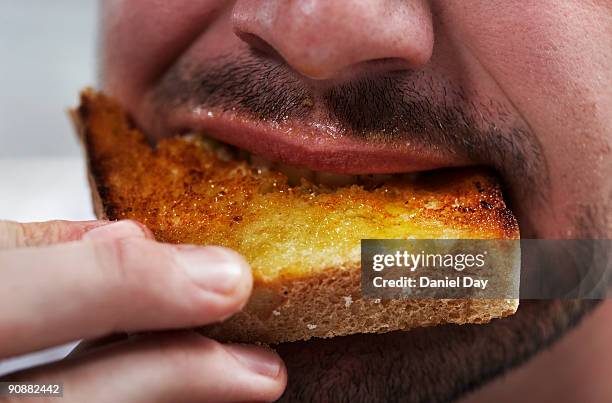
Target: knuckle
{"type": "Point", "coordinates": [118, 281]}
{"type": "Point", "coordinates": [36, 234]}
{"type": "Point", "coordinates": [134, 269]}
{"type": "Point", "coordinates": [113, 257]}
{"type": "Point", "coordinates": [131, 261]}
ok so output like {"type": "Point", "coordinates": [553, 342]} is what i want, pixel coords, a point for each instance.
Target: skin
{"type": "Point", "coordinates": [105, 279]}
{"type": "Point", "coordinates": [520, 86]}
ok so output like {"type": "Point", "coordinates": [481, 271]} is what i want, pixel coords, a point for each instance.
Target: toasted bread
{"type": "Point", "coordinates": [302, 241]}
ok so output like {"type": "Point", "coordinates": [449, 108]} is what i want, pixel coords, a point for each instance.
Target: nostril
{"type": "Point", "coordinates": [257, 43]}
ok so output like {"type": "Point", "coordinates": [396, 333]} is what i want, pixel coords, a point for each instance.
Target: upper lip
{"type": "Point", "coordinates": [312, 145]}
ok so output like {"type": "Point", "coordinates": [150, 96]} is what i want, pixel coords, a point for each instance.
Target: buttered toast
{"type": "Point", "coordinates": [302, 240]}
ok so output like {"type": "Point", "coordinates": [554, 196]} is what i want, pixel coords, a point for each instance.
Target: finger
{"type": "Point", "coordinates": [102, 285]}
{"type": "Point", "coordinates": [14, 234]}
{"type": "Point", "coordinates": [179, 367]}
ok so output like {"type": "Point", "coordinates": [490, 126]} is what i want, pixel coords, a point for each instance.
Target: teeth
{"type": "Point", "coordinates": [224, 153]}
{"type": "Point", "coordinates": [258, 162]}
{"type": "Point", "coordinates": [372, 180]}
{"type": "Point", "coordinates": [246, 156]}
{"type": "Point", "coordinates": [295, 174]}
{"type": "Point", "coordinates": [330, 179]}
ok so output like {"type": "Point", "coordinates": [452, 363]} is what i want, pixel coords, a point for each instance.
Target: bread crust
{"type": "Point", "coordinates": [330, 304]}
{"type": "Point", "coordinates": [76, 116]}
{"type": "Point", "coordinates": [309, 296]}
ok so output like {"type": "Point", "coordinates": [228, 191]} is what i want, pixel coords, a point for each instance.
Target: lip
{"type": "Point", "coordinates": [311, 145]}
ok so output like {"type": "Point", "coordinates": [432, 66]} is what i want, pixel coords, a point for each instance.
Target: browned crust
{"type": "Point", "coordinates": [78, 117]}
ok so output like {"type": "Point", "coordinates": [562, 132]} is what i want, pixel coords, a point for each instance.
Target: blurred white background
{"type": "Point", "coordinates": [47, 53]}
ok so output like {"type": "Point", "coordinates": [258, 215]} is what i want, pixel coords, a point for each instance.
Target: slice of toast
{"type": "Point", "coordinates": [302, 241]}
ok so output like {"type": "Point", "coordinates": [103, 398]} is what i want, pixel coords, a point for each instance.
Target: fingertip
{"type": "Point", "coordinates": [267, 373]}
{"type": "Point", "coordinates": [242, 291]}
{"type": "Point", "coordinates": [260, 360]}
{"type": "Point", "coordinates": [217, 270]}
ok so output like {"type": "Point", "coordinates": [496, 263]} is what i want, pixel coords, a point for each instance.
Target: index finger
{"type": "Point", "coordinates": [88, 289]}
{"type": "Point", "coordinates": [16, 235]}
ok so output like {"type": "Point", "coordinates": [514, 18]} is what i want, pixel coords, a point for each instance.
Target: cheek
{"type": "Point", "coordinates": [552, 60]}
{"type": "Point", "coordinates": [139, 39]}
{"type": "Point", "coordinates": [540, 51]}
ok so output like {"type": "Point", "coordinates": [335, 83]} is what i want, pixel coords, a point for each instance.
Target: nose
{"type": "Point", "coordinates": [325, 38]}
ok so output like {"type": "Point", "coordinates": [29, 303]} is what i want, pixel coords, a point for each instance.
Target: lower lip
{"type": "Point", "coordinates": [314, 148]}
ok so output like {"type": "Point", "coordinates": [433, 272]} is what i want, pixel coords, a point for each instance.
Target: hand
{"type": "Point", "coordinates": [62, 281]}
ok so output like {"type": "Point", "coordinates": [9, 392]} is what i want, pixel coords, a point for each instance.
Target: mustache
{"type": "Point", "coordinates": [402, 106]}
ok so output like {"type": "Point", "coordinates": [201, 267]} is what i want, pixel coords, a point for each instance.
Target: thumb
{"type": "Point", "coordinates": [16, 235]}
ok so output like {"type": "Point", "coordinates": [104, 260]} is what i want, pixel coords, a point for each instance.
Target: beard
{"type": "Point", "coordinates": [437, 364]}
{"type": "Point", "coordinates": [434, 364]}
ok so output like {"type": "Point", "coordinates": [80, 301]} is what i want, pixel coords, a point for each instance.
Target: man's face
{"type": "Point", "coordinates": [386, 86]}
